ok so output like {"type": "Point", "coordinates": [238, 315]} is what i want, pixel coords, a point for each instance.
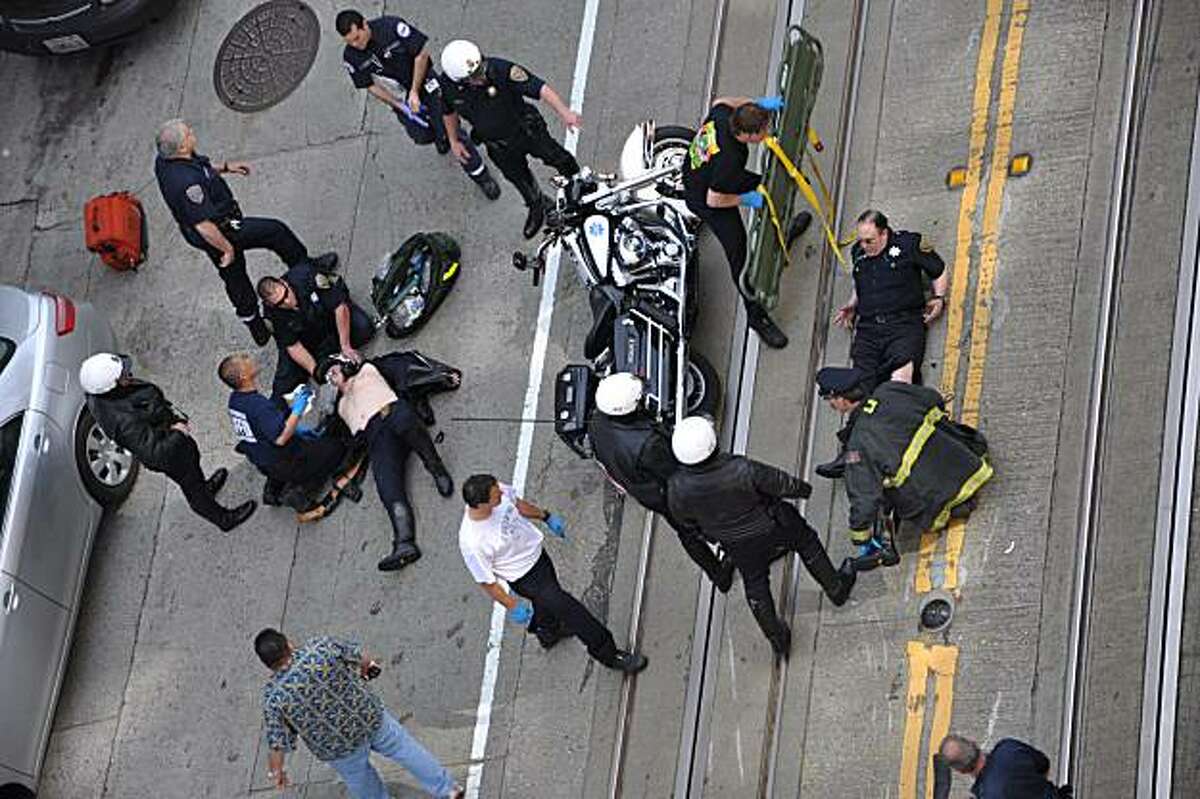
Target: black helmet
{"type": "Point", "coordinates": [348, 366]}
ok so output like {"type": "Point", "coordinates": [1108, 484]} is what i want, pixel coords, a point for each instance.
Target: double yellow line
{"type": "Point", "coordinates": [942, 661]}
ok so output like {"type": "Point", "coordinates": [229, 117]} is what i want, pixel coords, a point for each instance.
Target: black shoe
{"type": "Point", "coordinates": [488, 185]}
{"type": "Point", "coordinates": [216, 480]}
{"type": "Point", "coordinates": [351, 491]}
{"type": "Point", "coordinates": [442, 145]}
{"type": "Point", "coordinates": [548, 637]}
{"type": "Point", "coordinates": [834, 469]}
{"type": "Point", "coordinates": [846, 577]}
{"type": "Point", "coordinates": [402, 555]}
{"type": "Point", "coordinates": [769, 332]}
{"type": "Point", "coordinates": [259, 330]}
{"type": "Point", "coordinates": [628, 662]}
{"type": "Point", "coordinates": [444, 482]}
{"type": "Point", "coordinates": [235, 516]}
{"type": "Point", "coordinates": [723, 578]}
{"type": "Point", "coordinates": [273, 493]}
{"type": "Point", "coordinates": [537, 215]}
{"type": "Point", "coordinates": [326, 263]}
{"type": "Point", "coordinates": [781, 640]}
{"type": "Point", "coordinates": [798, 226]}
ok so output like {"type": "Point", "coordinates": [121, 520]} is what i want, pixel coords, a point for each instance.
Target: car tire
{"type": "Point", "coordinates": [107, 470]}
{"type": "Point", "coordinates": [703, 386]}
{"type": "Point", "coordinates": [15, 791]}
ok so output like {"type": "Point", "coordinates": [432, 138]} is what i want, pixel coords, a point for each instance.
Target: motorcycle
{"type": "Point", "coordinates": [633, 244]}
{"type": "Point", "coordinates": [410, 285]}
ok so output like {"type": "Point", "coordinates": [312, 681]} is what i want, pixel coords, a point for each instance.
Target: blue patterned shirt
{"type": "Point", "coordinates": [322, 696]}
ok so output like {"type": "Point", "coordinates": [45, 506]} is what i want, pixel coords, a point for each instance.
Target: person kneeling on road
{"type": "Point", "coordinates": [312, 316]}
{"type": "Point", "coordinates": [135, 414]}
{"type": "Point", "coordinates": [635, 452]}
{"type": "Point", "coordinates": [738, 503]}
{"type": "Point", "coordinates": [498, 542]}
{"type": "Point", "coordinates": [905, 456]}
{"type": "Point", "coordinates": [371, 407]}
{"type": "Point", "coordinates": [296, 465]}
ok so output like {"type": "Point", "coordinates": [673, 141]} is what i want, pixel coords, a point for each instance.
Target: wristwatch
{"type": "Point", "coordinates": [546, 515]}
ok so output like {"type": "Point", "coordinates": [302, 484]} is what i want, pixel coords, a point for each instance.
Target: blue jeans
{"type": "Point", "coordinates": [395, 743]}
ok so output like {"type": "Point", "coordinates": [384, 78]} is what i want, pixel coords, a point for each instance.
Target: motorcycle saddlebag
{"type": "Point", "coordinates": [574, 392]}
{"type": "Point", "coordinates": [114, 227]}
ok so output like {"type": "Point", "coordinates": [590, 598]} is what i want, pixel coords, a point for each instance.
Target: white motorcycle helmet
{"type": "Point", "coordinates": [694, 440]}
{"type": "Point", "coordinates": [461, 59]}
{"type": "Point", "coordinates": [619, 394]}
{"type": "Point", "coordinates": [99, 373]}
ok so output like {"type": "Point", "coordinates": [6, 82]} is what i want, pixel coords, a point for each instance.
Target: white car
{"type": "Point", "coordinates": [58, 471]}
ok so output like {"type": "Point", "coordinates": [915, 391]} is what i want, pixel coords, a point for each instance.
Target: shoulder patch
{"type": "Point", "coordinates": [322, 280]}
{"type": "Point", "coordinates": [402, 29]}
{"type": "Point", "coordinates": [517, 74]}
{"type": "Point", "coordinates": [925, 246]}
{"type": "Point", "coordinates": [195, 193]}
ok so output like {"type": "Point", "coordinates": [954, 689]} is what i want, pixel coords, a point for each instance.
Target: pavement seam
{"type": "Point", "coordinates": [187, 70]}
{"type": "Point", "coordinates": [137, 632]}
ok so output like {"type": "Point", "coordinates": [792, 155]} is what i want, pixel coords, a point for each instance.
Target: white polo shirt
{"type": "Point", "coordinates": [505, 545]}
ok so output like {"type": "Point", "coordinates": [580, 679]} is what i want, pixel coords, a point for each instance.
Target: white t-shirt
{"type": "Point", "coordinates": [505, 545]}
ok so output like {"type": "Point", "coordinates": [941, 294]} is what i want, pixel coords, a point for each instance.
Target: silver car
{"type": "Point", "coordinates": [58, 471]}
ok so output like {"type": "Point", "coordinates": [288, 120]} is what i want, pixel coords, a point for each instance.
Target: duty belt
{"type": "Point", "coordinates": [883, 319]}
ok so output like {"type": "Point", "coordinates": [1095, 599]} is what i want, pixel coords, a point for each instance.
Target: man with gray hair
{"type": "Point", "coordinates": [1012, 770]}
{"type": "Point", "coordinates": [211, 220]}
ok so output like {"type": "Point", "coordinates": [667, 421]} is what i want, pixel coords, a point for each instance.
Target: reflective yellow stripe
{"type": "Point", "coordinates": [981, 476]}
{"type": "Point", "coordinates": [860, 536]}
{"type": "Point", "coordinates": [915, 446]}
{"type": "Point", "coordinates": [806, 189]}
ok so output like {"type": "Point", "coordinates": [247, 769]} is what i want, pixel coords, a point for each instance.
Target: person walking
{"type": "Point", "coordinates": [318, 692]}
{"type": "Point", "coordinates": [498, 542]}
{"type": "Point", "coordinates": [1012, 770]}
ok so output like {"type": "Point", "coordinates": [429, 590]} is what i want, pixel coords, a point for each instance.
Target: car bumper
{"type": "Point", "coordinates": [96, 26]}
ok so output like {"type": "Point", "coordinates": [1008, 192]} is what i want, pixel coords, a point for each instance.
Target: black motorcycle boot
{"type": "Point", "coordinates": [836, 468]}
{"type": "Point", "coordinates": [781, 640]}
{"type": "Point", "coordinates": [628, 662]}
{"type": "Point", "coordinates": [259, 330]}
{"type": "Point", "coordinates": [327, 262]}
{"type": "Point", "coordinates": [404, 540]}
{"type": "Point", "coordinates": [235, 516]}
{"type": "Point", "coordinates": [441, 477]}
{"type": "Point", "coordinates": [835, 583]}
{"type": "Point", "coordinates": [797, 227]}
{"type": "Point", "coordinates": [774, 628]}
{"type": "Point", "coordinates": [216, 480]}
{"type": "Point", "coordinates": [272, 495]}
{"type": "Point", "coordinates": [536, 202]}
{"type": "Point", "coordinates": [762, 324]}
{"type": "Point", "coordinates": [487, 184]}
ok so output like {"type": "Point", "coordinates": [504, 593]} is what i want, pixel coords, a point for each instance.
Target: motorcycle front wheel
{"type": "Point", "coordinates": [702, 386]}
{"type": "Point", "coordinates": [670, 147]}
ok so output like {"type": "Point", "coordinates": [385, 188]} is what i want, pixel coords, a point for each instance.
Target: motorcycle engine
{"type": "Point", "coordinates": [640, 245]}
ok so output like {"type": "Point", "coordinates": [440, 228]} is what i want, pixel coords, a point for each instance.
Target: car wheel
{"type": "Point", "coordinates": [14, 791]}
{"type": "Point", "coordinates": [108, 470]}
{"type": "Point", "coordinates": [702, 386]}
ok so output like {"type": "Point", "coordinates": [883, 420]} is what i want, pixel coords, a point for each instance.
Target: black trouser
{"type": "Point", "coordinates": [185, 470]}
{"type": "Point", "coordinates": [429, 126]}
{"type": "Point", "coordinates": [310, 461]}
{"type": "Point", "coordinates": [510, 155]}
{"type": "Point", "coordinates": [249, 233]}
{"type": "Point", "coordinates": [726, 224]}
{"type": "Point", "coordinates": [554, 609]}
{"type": "Point", "coordinates": [753, 557]}
{"type": "Point", "coordinates": [390, 439]}
{"type": "Point", "coordinates": [696, 547]}
{"type": "Point", "coordinates": [883, 344]}
{"type": "Point", "coordinates": [289, 374]}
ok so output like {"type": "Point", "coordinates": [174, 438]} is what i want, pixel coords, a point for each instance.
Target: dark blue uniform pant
{"type": "Point", "coordinates": [880, 348]}
{"type": "Point", "coordinates": [427, 128]}
{"type": "Point", "coordinates": [249, 233]}
{"type": "Point", "coordinates": [289, 374]}
{"type": "Point", "coordinates": [554, 609]}
{"type": "Point", "coordinates": [390, 440]}
{"type": "Point", "coordinates": [511, 155]}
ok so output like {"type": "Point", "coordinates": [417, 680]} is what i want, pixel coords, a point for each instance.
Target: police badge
{"type": "Point", "coordinates": [195, 193]}
{"type": "Point", "coordinates": [518, 74]}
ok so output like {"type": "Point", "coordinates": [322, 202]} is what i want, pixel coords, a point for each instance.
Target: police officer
{"type": "Point", "coordinates": [738, 503]}
{"type": "Point", "coordinates": [1012, 770]}
{"type": "Point", "coordinates": [716, 182]}
{"type": "Point", "coordinates": [490, 93]}
{"type": "Point", "coordinates": [276, 443]}
{"type": "Point", "coordinates": [372, 404]}
{"type": "Point", "coordinates": [888, 310]}
{"type": "Point", "coordinates": [211, 220]}
{"type": "Point", "coordinates": [136, 415]}
{"type": "Point", "coordinates": [313, 316]}
{"type": "Point", "coordinates": [387, 57]}
{"type": "Point", "coordinates": [635, 452]}
{"type": "Point", "coordinates": [903, 456]}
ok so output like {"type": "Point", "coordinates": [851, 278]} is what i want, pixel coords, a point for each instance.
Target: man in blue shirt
{"type": "Point", "coordinates": [1012, 770]}
{"type": "Point", "coordinates": [271, 440]}
{"type": "Point", "coordinates": [387, 57]}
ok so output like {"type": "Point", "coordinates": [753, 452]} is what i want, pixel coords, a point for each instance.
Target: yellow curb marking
{"type": "Point", "coordinates": [943, 662]}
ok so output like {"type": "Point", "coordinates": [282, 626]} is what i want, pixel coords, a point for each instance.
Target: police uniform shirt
{"type": "Point", "coordinates": [891, 282]}
{"type": "Point", "coordinates": [494, 109]}
{"type": "Point", "coordinates": [717, 160]}
{"type": "Point", "coordinates": [391, 53]}
{"type": "Point", "coordinates": [311, 322]}
{"type": "Point", "coordinates": [194, 191]}
{"type": "Point", "coordinates": [1014, 770]}
{"type": "Point", "coordinates": [257, 422]}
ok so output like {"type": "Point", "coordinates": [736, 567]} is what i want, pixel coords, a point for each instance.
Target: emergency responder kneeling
{"type": "Point", "coordinates": [371, 405]}
{"type": "Point", "coordinates": [738, 503]}
{"type": "Point", "coordinates": [635, 452]}
{"type": "Point", "coordinates": [904, 456]}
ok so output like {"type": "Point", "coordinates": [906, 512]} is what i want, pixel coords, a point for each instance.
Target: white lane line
{"type": "Point", "coordinates": [537, 363]}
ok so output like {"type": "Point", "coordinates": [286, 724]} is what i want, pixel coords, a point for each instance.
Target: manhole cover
{"type": "Point", "coordinates": [266, 55]}
{"type": "Point", "coordinates": [937, 611]}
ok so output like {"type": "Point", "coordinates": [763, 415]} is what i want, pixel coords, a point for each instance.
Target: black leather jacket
{"type": "Point", "coordinates": [729, 498]}
{"type": "Point", "coordinates": [138, 417]}
{"type": "Point", "coordinates": [636, 453]}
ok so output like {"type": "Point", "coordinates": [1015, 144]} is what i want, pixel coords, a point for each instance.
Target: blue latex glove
{"type": "Point", "coordinates": [751, 199]}
{"type": "Point", "coordinates": [522, 614]}
{"type": "Point", "coordinates": [557, 525]}
{"type": "Point", "coordinates": [771, 102]}
{"type": "Point", "coordinates": [300, 400]}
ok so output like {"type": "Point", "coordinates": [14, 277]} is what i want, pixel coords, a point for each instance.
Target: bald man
{"type": "Point", "coordinates": [1012, 770]}
{"type": "Point", "coordinates": [211, 220]}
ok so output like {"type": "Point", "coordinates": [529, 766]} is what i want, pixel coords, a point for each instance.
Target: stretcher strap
{"type": "Point", "coordinates": [773, 215]}
{"type": "Point", "coordinates": [806, 189]}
